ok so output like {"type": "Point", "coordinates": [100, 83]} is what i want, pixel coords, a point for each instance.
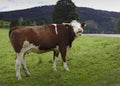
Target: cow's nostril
{"type": "Point", "coordinates": [80, 30]}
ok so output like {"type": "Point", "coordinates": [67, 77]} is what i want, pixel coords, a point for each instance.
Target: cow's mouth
{"type": "Point", "coordinates": [79, 34]}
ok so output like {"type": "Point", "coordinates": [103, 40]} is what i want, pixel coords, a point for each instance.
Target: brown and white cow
{"type": "Point", "coordinates": [40, 39]}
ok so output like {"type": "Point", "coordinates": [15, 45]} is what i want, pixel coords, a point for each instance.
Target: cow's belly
{"type": "Point", "coordinates": [29, 47]}
{"type": "Point", "coordinates": [38, 50]}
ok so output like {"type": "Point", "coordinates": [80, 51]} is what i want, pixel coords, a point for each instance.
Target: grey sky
{"type": "Point", "coordinates": [110, 5]}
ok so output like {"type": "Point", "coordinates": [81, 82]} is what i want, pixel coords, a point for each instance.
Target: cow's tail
{"type": "Point", "coordinates": [11, 29]}
{"type": "Point", "coordinates": [10, 32]}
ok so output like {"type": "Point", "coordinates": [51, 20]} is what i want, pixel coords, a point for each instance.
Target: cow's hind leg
{"type": "Point", "coordinates": [25, 67]}
{"type": "Point", "coordinates": [18, 65]}
{"type": "Point", "coordinates": [55, 58]}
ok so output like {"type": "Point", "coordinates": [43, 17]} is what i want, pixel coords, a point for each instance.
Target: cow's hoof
{"type": "Point", "coordinates": [28, 74]}
{"type": "Point", "coordinates": [19, 78]}
{"type": "Point", "coordinates": [54, 69]}
{"type": "Point", "coordinates": [67, 69]}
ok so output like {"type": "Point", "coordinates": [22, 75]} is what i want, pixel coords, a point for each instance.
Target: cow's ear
{"type": "Point", "coordinates": [83, 24]}
{"type": "Point", "coordinates": [67, 26]}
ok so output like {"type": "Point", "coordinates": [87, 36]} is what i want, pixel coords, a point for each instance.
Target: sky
{"type": "Point", "coordinates": [108, 5]}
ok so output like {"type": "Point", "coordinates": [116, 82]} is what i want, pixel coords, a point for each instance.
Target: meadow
{"type": "Point", "coordinates": [93, 61]}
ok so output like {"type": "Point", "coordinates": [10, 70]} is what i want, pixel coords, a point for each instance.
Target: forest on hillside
{"type": "Point", "coordinates": [98, 21]}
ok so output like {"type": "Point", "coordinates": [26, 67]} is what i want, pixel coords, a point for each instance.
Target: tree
{"type": "Point", "coordinates": [1, 23]}
{"type": "Point", "coordinates": [41, 22]}
{"type": "Point", "coordinates": [21, 21]}
{"type": "Point", "coordinates": [64, 11]}
{"type": "Point", "coordinates": [34, 23]}
{"type": "Point", "coordinates": [117, 26]}
{"type": "Point", "coordinates": [1, 16]}
{"type": "Point", "coordinates": [28, 23]}
{"type": "Point", "coordinates": [15, 22]}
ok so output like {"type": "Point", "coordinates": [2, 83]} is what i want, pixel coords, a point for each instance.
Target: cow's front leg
{"type": "Point", "coordinates": [63, 50]}
{"type": "Point", "coordinates": [55, 58]}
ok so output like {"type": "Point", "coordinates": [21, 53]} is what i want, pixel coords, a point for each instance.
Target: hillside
{"type": "Point", "coordinates": [99, 21]}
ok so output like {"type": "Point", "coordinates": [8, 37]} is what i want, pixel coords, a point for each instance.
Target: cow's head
{"type": "Point", "coordinates": [77, 27]}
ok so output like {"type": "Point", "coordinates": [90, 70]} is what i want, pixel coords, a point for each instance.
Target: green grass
{"type": "Point", "coordinates": [93, 61]}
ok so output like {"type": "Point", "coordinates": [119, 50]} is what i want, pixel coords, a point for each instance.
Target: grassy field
{"type": "Point", "coordinates": [93, 61]}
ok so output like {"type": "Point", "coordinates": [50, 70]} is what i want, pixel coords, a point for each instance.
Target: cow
{"type": "Point", "coordinates": [41, 39]}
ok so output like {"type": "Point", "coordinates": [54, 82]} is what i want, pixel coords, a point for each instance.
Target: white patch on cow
{"type": "Point", "coordinates": [65, 66]}
{"type": "Point", "coordinates": [56, 49]}
{"type": "Point", "coordinates": [77, 27]}
{"type": "Point", "coordinates": [29, 46]}
{"type": "Point", "coordinates": [55, 28]}
{"type": "Point", "coordinates": [54, 63]}
{"type": "Point", "coordinates": [68, 47]}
